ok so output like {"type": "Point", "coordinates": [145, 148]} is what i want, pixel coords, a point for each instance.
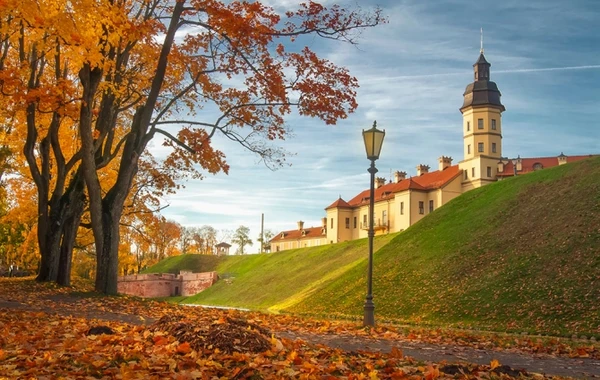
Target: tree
{"type": "Point", "coordinates": [241, 237]}
{"type": "Point", "coordinates": [96, 82]}
{"type": "Point", "coordinates": [265, 240]}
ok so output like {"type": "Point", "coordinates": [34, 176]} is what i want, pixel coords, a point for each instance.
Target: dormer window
{"type": "Point", "coordinates": [283, 235]}
{"type": "Point", "coordinates": [303, 233]}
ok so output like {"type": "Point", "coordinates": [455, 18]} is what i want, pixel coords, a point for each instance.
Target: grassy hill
{"type": "Point", "coordinates": [282, 279]}
{"type": "Point", "coordinates": [195, 263]}
{"type": "Point", "coordinates": [522, 254]}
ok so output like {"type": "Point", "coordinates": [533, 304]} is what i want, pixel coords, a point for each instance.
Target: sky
{"type": "Point", "coordinates": [412, 71]}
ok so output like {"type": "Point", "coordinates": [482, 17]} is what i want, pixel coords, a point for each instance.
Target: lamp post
{"type": "Point", "coordinates": [373, 141]}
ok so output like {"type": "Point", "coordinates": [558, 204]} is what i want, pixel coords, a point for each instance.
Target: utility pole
{"type": "Point", "coordinates": [262, 232]}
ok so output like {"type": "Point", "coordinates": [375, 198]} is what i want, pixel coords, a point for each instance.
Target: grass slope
{"type": "Point", "coordinates": [195, 263]}
{"type": "Point", "coordinates": [522, 254]}
{"type": "Point", "coordinates": [282, 279]}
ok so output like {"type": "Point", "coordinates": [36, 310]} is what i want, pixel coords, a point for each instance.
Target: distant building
{"type": "Point", "coordinates": [299, 238]}
{"type": "Point", "coordinates": [404, 201]}
{"type": "Point", "coordinates": [223, 248]}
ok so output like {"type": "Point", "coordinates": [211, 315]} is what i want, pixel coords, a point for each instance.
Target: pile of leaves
{"type": "Point", "coordinates": [226, 334]}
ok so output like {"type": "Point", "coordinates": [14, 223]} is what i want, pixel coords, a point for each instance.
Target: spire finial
{"type": "Point", "coordinates": [481, 49]}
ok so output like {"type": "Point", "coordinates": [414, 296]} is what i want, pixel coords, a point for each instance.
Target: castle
{"type": "Point", "coordinates": [404, 201]}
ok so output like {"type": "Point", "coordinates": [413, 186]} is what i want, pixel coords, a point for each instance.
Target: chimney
{"type": "Point", "coordinates": [399, 176]}
{"type": "Point", "coordinates": [562, 159]}
{"type": "Point", "coordinates": [324, 222]}
{"type": "Point", "coordinates": [444, 162]}
{"type": "Point", "coordinates": [379, 181]}
{"type": "Point", "coordinates": [300, 225]}
{"type": "Point", "coordinates": [422, 169]}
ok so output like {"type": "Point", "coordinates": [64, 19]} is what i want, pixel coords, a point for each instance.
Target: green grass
{"type": "Point", "coordinates": [282, 279]}
{"type": "Point", "coordinates": [519, 255]}
{"type": "Point", "coordinates": [195, 263]}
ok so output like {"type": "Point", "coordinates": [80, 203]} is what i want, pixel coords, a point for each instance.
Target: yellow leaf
{"type": "Point", "coordinates": [494, 364]}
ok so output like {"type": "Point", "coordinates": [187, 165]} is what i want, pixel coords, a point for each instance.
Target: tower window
{"type": "Point", "coordinates": [468, 126]}
{"type": "Point", "coordinates": [473, 172]}
{"type": "Point", "coordinates": [331, 223]}
{"type": "Point", "coordinates": [355, 222]}
{"type": "Point", "coordinates": [489, 171]}
{"type": "Point", "coordinates": [479, 123]}
{"type": "Point", "coordinates": [421, 207]}
{"type": "Point", "coordinates": [469, 149]}
{"type": "Point", "coordinates": [494, 124]}
{"type": "Point", "coordinates": [347, 222]}
{"type": "Point", "coordinates": [431, 206]}
{"type": "Point", "coordinates": [480, 147]}
{"type": "Point", "coordinates": [384, 217]}
{"type": "Point", "coordinates": [466, 175]}
{"type": "Point", "coordinates": [493, 147]}
{"type": "Point", "coordinates": [401, 208]}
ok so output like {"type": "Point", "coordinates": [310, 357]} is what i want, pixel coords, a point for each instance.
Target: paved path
{"type": "Point", "coordinates": [543, 364]}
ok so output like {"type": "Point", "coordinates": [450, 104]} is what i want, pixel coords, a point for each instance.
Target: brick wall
{"type": "Point", "coordinates": [165, 284]}
{"type": "Point", "coordinates": [194, 283]}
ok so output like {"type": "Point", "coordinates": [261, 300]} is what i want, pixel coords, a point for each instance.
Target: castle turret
{"type": "Point", "coordinates": [482, 127]}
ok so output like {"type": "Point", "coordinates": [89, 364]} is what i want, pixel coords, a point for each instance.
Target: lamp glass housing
{"type": "Point", "coordinates": [373, 141]}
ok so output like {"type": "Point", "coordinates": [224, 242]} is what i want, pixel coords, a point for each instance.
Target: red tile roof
{"type": "Point", "coordinates": [527, 164]}
{"type": "Point", "coordinates": [428, 181]}
{"type": "Point", "coordinates": [340, 203]}
{"type": "Point", "coordinates": [309, 233]}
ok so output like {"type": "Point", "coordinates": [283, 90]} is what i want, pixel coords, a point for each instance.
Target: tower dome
{"type": "Point", "coordinates": [482, 92]}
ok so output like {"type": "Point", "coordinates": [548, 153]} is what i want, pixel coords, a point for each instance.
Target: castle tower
{"type": "Point", "coordinates": [482, 128]}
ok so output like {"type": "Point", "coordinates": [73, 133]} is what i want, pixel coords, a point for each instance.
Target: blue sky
{"type": "Point", "coordinates": [545, 57]}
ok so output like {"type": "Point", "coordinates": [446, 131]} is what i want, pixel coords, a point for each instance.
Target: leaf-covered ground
{"type": "Point", "coordinates": [52, 333]}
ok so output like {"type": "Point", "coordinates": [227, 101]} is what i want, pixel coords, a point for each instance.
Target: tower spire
{"type": "Point", "coordinates": [481, 48]}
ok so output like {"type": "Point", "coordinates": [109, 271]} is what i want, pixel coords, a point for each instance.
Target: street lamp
{"type": "Point", "coordinates": [373, 141]}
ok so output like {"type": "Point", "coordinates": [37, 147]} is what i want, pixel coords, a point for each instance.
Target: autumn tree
{"type": "Point", "coordinates": [265, 240]}
{"type": "Point", "coordinates": [108, 76]}
{"type": "Point", "coordinates": [241, 237]}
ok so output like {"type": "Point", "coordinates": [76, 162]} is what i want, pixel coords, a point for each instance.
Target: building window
{"type": "Point", "coordinates": [401, 208]}
{"type": "Point", "coordinates": [480, 147]}
{"type": "Point", "coordinates": [489, 171]}
{"type": "Point", "coordinates": [469, 149]}
{"type": "Point", "coordinates": [365, 225]}
{"type": "Point", "coordinates": [355, 222]}
{"type": "Point", "coordinates": [466, 175]}
{"type": "Point", "coordinates": [493, 147]}
{"type": "Point", "coordinates": [468, 126]}
{"type": "Point", "coordinates": [331, 223]}
{"type": "Point", "coordinates": [421, 207]}
{"type": "Point", "coordinates": [479, 123]}
{"type": "Point", "coordinates": [347, 222]}
{"type": "Point", "coordinates": [473, 172]}
{"type": "Point", "coordinates": [494, 124]}
{"type": "Point", "coordinates": [431, 206]}
{"type": "Point", "coordinates": [384, 217]}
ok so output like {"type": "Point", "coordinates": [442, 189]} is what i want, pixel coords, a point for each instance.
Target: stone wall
{"type": "Point", "coordinates": [165, 284]}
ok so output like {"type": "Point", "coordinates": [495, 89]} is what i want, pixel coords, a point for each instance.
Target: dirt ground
{"type": "Point", "coordinates": [542, 363]}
